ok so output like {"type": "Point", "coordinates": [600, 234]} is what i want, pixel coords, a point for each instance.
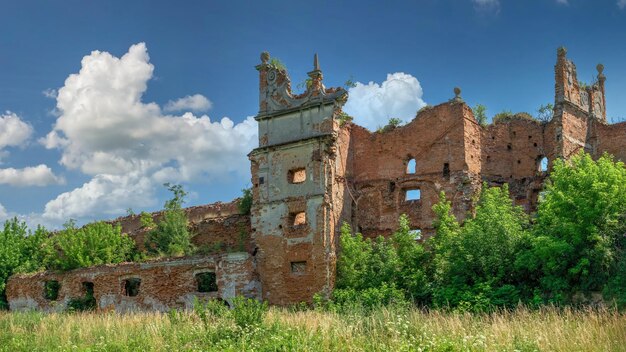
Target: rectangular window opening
{"type": "Point", "coordinates": [297, 218]}
{"type": "Point", "coordinates": [51, 290]}
{"type": "Point", "coordinates": [416, 233]}
{"type": "Point", "coordinates": [413, 194]}
{"type": "Point", "coordinates": [297, 175]}
{"type": "Point", "coordinates": [207, 282]}
{"type": "Point", "coordinates": [298, 267]}
{"type": "Point", "coordinates": [131, 287]}
{"type": "Point", "coordinates": [88, 288]}
{"type": "Point", "coordinates": [446, 170]}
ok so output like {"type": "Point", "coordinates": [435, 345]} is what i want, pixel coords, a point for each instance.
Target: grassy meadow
{"type": "Point", "coordinates": [385, 329]}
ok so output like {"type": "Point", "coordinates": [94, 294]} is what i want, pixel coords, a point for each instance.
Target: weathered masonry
{"type": "Point", "coordinates": [314, 170]}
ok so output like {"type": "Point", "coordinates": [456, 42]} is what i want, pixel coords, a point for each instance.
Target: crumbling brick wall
{"type": "Point", "coordinates": [215, 228]}
{"type": "Point", "coordinates": [164, 284]}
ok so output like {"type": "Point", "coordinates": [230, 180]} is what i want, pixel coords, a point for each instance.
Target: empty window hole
{"type": "Point", "coordinates": [298, 218]}
{"type": "Point", "coordinates": [298, 267]}
{"type": "Point", "coordinates": [410, 167]}
{"type": "Point", "coordinates": [416, 233]}
{"type": "Point", "coordinates": [51, 290]}
{"type": "Point", "coordinates": [131, 287]}
{"type": "Point", "coordinates": [413, 194]}
{"type": "Point", "coordinates": [297, 175]}
{"type": "Point", "coordinates": [207, 282]}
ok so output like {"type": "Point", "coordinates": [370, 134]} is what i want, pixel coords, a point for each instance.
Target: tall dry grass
{"type": "Point", "coordinates": [385, 329]}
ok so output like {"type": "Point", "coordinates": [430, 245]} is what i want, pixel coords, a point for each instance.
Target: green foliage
{"type": "Point", "coordinates": [393, 122]}
{"type": "Point", "coordinates": [475, 264]}
{"type": "Point", "coordinates": [51, 290]}
{"type": "Point", "coordinates": [82, 304]}
{"type": "Point", "coordinates": [248, 312]}
{"type": "Point", "coordinates": [245, 202]}
{"type": "Point", "coordinates": [502, 115]}
{"type": "Point", "coordinates": [170, 236]}
{"type": "Point", "coordinates": [350, 83]}
{"type": "Point", "coordinates": [375, 271]}
{"type": "Point", "coordinates": [94, 244]}
{"type": "Point", "coordinates": [277, 64]}
{"type": "Point", "coordinates": [344, 118]}
{"type": "Point", "coordinates": [579, 233]}
{"type": "Point", "coordinates": [545, 112]}
{"type": "Point", "coordinates": [20, 251]}
{"type": "Point", "coordinates": [480, 113]}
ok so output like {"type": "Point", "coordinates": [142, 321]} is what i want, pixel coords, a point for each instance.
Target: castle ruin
{"type": "Point", "coordinates": [314, 170]}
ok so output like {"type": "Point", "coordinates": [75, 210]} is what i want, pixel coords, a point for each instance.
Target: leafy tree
{"type": "Point", "coordinates": [480, 113]}
{"type": "Point", "coordinates": [19, 251]}
{"type": "Point", "coordinates": [170, 236]}
{"type": "Point", "coordinates": [545, 112]}
{"type": "Point", "coordinates": [579, 234]}
{"type": "Point", "coordinates": [475, 264]}
{"type": "Point", "coordinates": [94, 244]}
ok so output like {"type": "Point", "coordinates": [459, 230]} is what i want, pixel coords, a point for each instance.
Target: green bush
{"type": "Point", "coordinates": [248, 312]}
{"type": "Point", "coordinates": [94, 244]}
{"type": "Point", "coordinates": [170, 236]}
{"type": "Point", "coordinates": [475, 264]}
{"type": "Point", "coordinates": [382, 267]}
{"type": "Point", "coordinates": [245, 203]}
{"type": "Point", "coordinates": [579, 239]}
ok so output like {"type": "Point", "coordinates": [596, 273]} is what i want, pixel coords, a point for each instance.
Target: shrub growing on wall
{"type": "Point", "coordinates": [170, 236]}
{"type": "Point", "coordinates": [94, 244]}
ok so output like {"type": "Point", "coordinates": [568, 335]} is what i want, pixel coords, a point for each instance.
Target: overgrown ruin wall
{"type": "Point", "coordinates": [215, 228]}
{"type": "Point", "coordinates": [164, 284]}
{"type": "Point", "coordinates": [314, 170]}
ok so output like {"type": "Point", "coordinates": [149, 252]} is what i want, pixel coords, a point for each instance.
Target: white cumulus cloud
{"type": "Point", "coordinates": [40, 175]}
{"type": "Point", "coordinates": [564, 2]}
{"type": "Point", "coordinates": [372, 104]}
{"type": "Point", "coordinates": [621, 4]}
{"type": "Point", "coordinates": [105, 130]}
{"type": "Point", "coordinates": [103, 195]}
{"type": "Point", "coordinates": [13, 131]}
{"type": "Point", "coordinates": [3, 213]}
{"type": "Point", "coordinates": [196, 102]}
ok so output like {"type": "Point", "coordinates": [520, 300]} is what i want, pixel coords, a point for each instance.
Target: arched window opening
{"type": "Point", "coordinates": [410, 167]}
{"type": "Point", "coordinates": [543, 164]}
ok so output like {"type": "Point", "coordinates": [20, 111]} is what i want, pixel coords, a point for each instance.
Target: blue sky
{"type": "Point", "coordinates": [103, 102]}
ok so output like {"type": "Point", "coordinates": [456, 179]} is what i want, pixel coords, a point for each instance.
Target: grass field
{"type": "Point", "coordinates": [283, 330]}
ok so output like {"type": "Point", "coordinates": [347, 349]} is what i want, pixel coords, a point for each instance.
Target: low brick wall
{"type": "Point", "coordinates": [165, 284]}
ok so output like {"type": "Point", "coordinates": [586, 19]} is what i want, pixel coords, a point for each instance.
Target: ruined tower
{"type": "Point", "coordinates": [297, 199]}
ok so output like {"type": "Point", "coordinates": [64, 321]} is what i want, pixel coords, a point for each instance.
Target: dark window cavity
{"type": "Point", "coordinates": [51, 290]}
{"type": "Point", "coordinates": [298, 267]}
{"type": "Point", "coordinates": [131, 287]}
{"type": "Point", "coordinates": [207, 282]}
{"type": "Point", "coordinates": [446, 170]}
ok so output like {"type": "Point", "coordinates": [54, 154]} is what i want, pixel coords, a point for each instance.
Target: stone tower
{"type": "Point", "coordinates": [297, 175]}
